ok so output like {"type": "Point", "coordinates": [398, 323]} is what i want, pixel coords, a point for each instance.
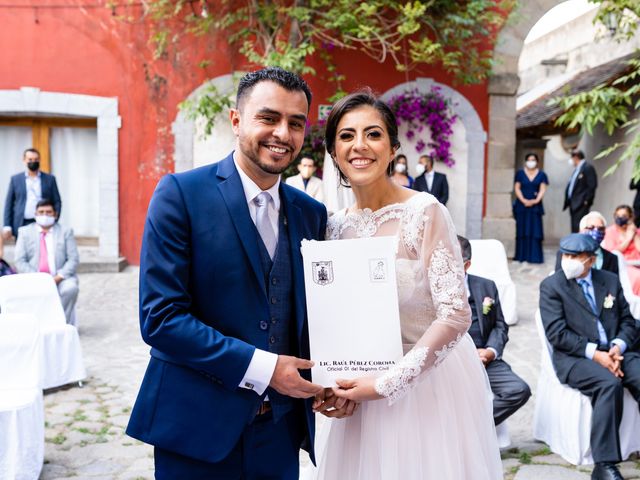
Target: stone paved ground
{"type": "Point", "coordinates": [85, 426]}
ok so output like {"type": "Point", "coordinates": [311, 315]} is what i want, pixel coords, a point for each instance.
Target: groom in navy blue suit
{"type": "Point", "coordinates": [227, 391]}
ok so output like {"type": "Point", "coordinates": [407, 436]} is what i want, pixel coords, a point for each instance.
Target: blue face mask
{"type": "Point", "coordinates": [622, 221]}
{"type": "Point", "coordinates": [597, 235]}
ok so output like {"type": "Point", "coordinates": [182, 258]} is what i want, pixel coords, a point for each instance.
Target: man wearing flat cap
{"type": "Point", "coordinates": [587, 322]}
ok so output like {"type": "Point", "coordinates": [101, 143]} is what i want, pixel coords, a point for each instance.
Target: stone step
{"type": "Point", "coordinates": [90, 261]}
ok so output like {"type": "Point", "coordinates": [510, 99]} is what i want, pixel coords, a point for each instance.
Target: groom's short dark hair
{"type": "Point", "coordinates": [287, 80]}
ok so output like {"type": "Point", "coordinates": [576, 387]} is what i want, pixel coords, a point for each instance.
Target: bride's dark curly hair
{"type": "Point", "coordinates": [361, 98]}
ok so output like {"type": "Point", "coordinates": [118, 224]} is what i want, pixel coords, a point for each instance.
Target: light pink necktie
{"type": "Point", "coordinates": [43, 264]}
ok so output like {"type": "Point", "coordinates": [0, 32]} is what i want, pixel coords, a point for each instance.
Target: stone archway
{"type": "Point", "coordinates": [187, 151]}
{"type": "Point", "coordinates": [33, 101]}
{"type": "Point", "coordinates": [475, 137]}
{"type": "Point", "coordinates": [503, 86]}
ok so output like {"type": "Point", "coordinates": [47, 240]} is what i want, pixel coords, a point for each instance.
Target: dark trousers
{"type": "Point", "coordinates": [510, 392]}
{"type": "Point", "coordinates": [266, 450]}
{"type": "Point", "coordinates": [606, 391]}
{"type": "Point", "coordinates": [576, 216]}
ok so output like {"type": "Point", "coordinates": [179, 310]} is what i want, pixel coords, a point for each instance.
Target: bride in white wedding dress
{"type": "Point", "coordinates": [430, 417]}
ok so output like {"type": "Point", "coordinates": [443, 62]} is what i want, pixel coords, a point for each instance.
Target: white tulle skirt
{"type": "Point", "coordinates": [442, 429]}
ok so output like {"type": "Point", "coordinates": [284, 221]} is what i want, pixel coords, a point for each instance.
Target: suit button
{"type": "Point", "coordinates": [274, 281]}
{"type": "Point", "coordinates": [274, 320]}
{"type": "Point", "coordinates": [272, 339]}
{"type": "Point", "coordinates": [263, 325]}
{"type": "Point", "coordinates": [273, 300]}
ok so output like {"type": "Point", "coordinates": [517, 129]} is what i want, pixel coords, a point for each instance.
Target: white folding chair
{"type": "Point", "coordinates": [562, 415]}
{"type": "Point", "coordinates": [36, 293]}
{"type": "Point", "coordinates": [489, 260]}
{"type": "Point", "coordinates": [21, 409]}
{"type": "Point", "coordinates": [634, 300]}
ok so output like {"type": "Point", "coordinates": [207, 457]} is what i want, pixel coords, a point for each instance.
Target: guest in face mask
{"type": "Point", "coordinates": [530, 185]}
{"type": "Point", "coordinates": [25, 190]}
{"type": "Point", "coordinates": [587, 321]}
{"type": "Point", "coordinates": [430, 181]}
{"type": "Point", "coordinates": [46, 246]}
{"type": "Point", "coordinates": [623, 237]}
{"type": "Point", "coordinates": [594, 225]}
{"type": "Point", "coordinates": [400, 175]}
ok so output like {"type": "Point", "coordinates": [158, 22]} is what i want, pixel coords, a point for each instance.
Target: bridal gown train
{"type": "Point", "coordinates": [436, 420]}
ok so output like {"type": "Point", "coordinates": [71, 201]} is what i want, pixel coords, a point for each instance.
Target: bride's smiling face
{"type": "Point", "coordinates": [362, 147]}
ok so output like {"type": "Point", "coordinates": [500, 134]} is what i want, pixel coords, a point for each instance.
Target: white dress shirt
{"type": "Point", "coordinates": [429, 177]}
{"type": "Point", "coordinates": [263, 363]}
{"type": "Point", "coordinates": [34, 194]}
{"type": "Point", "coordinates": [49, 241]}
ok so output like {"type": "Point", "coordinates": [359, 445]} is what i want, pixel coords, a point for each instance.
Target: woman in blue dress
{"type": "Point", "coordinates": [530, 186]}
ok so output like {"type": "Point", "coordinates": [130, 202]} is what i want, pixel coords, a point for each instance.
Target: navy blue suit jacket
{"type": "Point", "coordinates": [17, 198]}
{"type": "Point", "coordinates": [439, 188]}
{"type": "Point", "coordinates": [569, 322]}
{"type": "Point", "coordinates": [202, 299]}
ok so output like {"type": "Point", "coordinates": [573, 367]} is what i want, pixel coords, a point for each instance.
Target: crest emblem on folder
{"type": "Point", "coordinates": [322, 272]}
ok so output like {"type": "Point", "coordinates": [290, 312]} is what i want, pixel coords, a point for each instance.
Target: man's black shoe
{"type": "Point", "coordinates": [606, 471]}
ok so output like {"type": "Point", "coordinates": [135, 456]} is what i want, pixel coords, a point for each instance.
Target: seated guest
{"type": "Point", "coordinates": [46, 246]}
{"type": "Point", "coordinates": [594, 224]}
{"type": "Point", "coordinates": [490, 334]}
{"type": "Point", "coordinates": [623, 237]}
{"type": "Point", "coordinates": [306, 181]}
{"type": "Point", "coordinates": [587, 322]}
{"type": "Point", "coordinates": [430, 181]}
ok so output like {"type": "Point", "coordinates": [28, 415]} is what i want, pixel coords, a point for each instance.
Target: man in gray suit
{"type": "Point", "coordinates": [587, 322]}
{"type": "Point", "coordinates": [46, 246]}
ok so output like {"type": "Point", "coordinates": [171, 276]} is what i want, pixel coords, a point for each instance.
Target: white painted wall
{"type": "Point", "coordinates": [612, 190]}
{"type": "Point", "coordinates": [579, 42]}
{"type": "Point", "coordinates": [456, 175]}
{"type": "Point", "coordinates": [216, 146]}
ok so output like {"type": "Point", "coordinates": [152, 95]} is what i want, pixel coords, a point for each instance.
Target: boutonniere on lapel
{"type": "Point", "coordinates": [487, 303]}
{"type": "Point", "coordinates": [608, 301]}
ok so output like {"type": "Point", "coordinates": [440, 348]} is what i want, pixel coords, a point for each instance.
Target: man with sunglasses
{"type": "Point", "coordinates": [594, 224]}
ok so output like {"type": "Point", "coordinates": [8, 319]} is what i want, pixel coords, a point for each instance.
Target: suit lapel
{"type": "Point", "coordinates": [34, 237]}
{"type": "Point", "coordinates": [478, 298]}
{"type": "Point", "coordinates": [600, 290]}
{"type": "Point", "coordinates": [234, 197]}
{"type": "Point", "coordinates": [293, 216]}
{"type": "Point", "coordinates": [578, 295]}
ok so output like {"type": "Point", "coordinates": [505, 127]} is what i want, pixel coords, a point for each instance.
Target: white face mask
{"type": "Point", "coordinates": [572, 268]}
{"type": "Point", "coordinates": [420, 168]}
{"type": "Point", "coordinates": [45, 221]}
{"type": "Point", "coordinates": [531, 164]}
{"type": "Point", "coordinates": [400, 167]}
{"type": "Point", "coordinates": [571, 162]}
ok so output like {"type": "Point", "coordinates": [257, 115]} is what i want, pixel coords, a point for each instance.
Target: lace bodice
{"type": "Point", "coordinates": [434, 313]}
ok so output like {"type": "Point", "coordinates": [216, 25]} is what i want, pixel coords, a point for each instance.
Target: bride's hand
{"type": "Point", "coordinates": [329, 405]}
{"type": "Point", "coordinates": [357, 390]}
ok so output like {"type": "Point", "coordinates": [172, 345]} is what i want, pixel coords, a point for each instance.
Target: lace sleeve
{"type": "Point", "coordinates": [439, 253]}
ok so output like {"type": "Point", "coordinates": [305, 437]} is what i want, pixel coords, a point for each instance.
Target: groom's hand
{"type": "Point", "coordinates": [286, 378]}
{"type": "Point", "coordinates": [329, 405]}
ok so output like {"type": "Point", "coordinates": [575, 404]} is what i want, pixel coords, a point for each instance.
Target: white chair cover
{"type": "Point", "coordinates": [634, 300]}
{"type": "Point", "coordinates": [562, 415]}
{"type": "Point", "coordinates": [21, 409]}
{"type": "Point", "coordinates": [489, 260]}
{"type": "Point", "coordinates": [504, 439]}
{"type": "Point", "coordinates": [36, 293]}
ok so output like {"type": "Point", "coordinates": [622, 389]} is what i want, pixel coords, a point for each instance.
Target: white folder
{"type": "Point", "coordinates": [352, 307]}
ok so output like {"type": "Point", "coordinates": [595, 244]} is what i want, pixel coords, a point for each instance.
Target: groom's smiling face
{"type": "Point", "coordinates": [269, 125]}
